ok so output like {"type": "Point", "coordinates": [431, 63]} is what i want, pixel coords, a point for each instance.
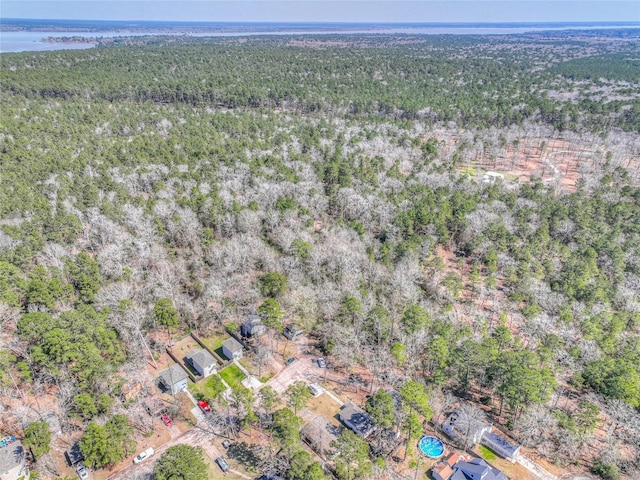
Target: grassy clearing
{"type": "Point", "coordinates": [214, 342]}
{"type": "Point", "coordinates": [232, 375]}
{"type": "Point", "coordinates": [487, 453]}
{"type": "Point", "coordinates": [209, 388]}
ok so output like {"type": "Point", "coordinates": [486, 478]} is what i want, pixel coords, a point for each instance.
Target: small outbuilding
{"type": "Point", "coordinates": [174, 379]}
{"type": "Point", "coordinates": [232, 349]}
{"type": "Point", "coordinates": [357, 419]}
{"type": "Point", "coordinates": [13, 459]}
{"type": "Point", "coordinates": [292, 331]}
{"type": "Point", "coordinates": [203, 362]}
{"type": "Point", "coordinates": [253, 327]}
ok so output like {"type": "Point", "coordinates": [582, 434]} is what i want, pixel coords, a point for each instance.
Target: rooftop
{"type": "Point", "coordinates": [477, 469]}
{"type": "Point", "coordinates": [232, 344]}
{"type": "Point", "coordinates": [356, 419]}
{"type": "Point", "coordinates": [202, 357]}
{"type": "Point", "coordinates": [174, 374]}
{"type": "Point", "coordinates": [506, 446]}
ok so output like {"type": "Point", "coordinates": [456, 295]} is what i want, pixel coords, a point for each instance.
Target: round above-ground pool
{"type": "Point", "coordinates": [432, 447]}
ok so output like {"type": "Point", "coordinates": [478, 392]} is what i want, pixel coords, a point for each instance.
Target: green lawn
{"type": "Point", "coordinates": [214, 342]}
{"type": "Point", "coordinates": [487, 453]}
{"type": "Point", "coordinates": [232, 375]}
{"type": "Point", "coordinates": [210, 388]}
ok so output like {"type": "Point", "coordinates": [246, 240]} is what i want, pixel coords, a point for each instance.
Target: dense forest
{"type": "Point", "coordinates": [335, 182]}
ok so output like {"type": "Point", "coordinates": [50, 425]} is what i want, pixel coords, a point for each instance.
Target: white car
{"type": "Point", "coordinates": [144, 455]}
{"type": "Point", "coordinates": [82, 472]}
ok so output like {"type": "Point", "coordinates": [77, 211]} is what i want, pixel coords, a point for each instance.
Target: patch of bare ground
{"type": "Point", "coordinates": [558, 161]}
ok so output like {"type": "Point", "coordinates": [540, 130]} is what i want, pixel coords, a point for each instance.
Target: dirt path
{"type": "Point", "coordinates": [535, 468]}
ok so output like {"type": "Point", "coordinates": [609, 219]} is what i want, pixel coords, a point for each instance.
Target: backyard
{"type": "Point", "coordinates": [210, 388]}
{"type": "Point", "coordinates": [232, 375]}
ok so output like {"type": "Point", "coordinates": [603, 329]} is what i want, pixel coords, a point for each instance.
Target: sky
{"type": "Point", "coordinates": [391, 11]}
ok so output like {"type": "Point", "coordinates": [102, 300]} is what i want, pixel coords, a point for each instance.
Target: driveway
{"type": "Point", "coordinates": [201, 435]}
{"type": "Point", "coordinates": [304, 368]}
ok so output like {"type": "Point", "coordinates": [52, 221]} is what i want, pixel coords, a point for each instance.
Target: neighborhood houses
{"type": "Point", "coordinates": [203, 362]}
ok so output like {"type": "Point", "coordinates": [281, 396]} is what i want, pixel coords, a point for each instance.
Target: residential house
{"type": "Point", "coordinates": [357, 419]}
{"type": "Point", "coordinates": [253, 327]}
{"type": "Point", "coordinates": [501, 446]}
{"type": "Point", "coordinates": [476, 469]}
{"type": "Point", "coordinates": [232, 349]}
{"type": "Point", "coordinates": [475, 433]}
{"type": "Point", "coordinates": [174, 379]}
{"type": "Point", "coordinates": [443, 470]}
{"type": "Point", "coordinates": [483, 433]}
{"type": "Point", "coordinates": [202, 361]}
{"type": "Point", "coordinates": [13, 459]}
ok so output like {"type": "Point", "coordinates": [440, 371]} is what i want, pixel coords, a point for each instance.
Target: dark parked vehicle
{"type": "Point", "coordinates": [289, 361]}
{"type": "Point", "coordinates": [222, 463]}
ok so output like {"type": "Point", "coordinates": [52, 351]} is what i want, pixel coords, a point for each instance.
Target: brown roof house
{"type": "Point", "coordinates": [13, 459]}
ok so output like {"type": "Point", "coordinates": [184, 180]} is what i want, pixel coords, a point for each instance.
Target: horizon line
{"type": "Point", "coordinates": [569, 22]}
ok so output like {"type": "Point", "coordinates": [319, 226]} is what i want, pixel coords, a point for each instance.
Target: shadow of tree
{"type": "Point", "coordinates": [249, 456]}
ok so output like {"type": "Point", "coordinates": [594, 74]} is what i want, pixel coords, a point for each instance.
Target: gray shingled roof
{"type": "Point", "coordinates": [356, 419]}
{"type": "Point", "coordinates": [232, 344]}
{"type": "Point", "coordinates": [475, 470]}
{"type": "Point", "coordinates": [174, 374]}
{"type": "Point", "coordinates": [202, 357]}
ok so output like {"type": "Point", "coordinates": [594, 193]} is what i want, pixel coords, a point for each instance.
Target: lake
{"type": "Point", "coordinates": [22, 41]}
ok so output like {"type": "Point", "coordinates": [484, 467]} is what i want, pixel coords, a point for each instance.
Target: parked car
{"type": "Point", "coordinates": [204, 406]}
{"type": "Point", "coordinates": [322, 363]}
{"type": "Point", "coordinates": [289, 361]}
{"type": "Point", "coordinates": [222, 463]}
{"type": "Point", "coordinates": [226, 443]}
{"type": "Point", "coordinates": [316, 390]}
{"type": "Point", "coordinates": [82, 472]}
{"type": "Point", "coordinates": [144, 455]}
{"type": "Point", "coordinates": [166, 419]}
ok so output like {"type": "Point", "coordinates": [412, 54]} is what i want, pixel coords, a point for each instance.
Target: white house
{"type": "Point", "coordinates": [203, 362]}
{"type": "Point", "coordinates": [232, 349]}
{"type": "Point", "coordinates": [174, 379]}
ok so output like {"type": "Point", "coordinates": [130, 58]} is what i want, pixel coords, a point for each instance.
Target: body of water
{"type": "Point", "coordinates": [31, 40]}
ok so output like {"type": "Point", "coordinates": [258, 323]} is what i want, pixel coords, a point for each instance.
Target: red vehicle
{"type": "Point", "coordinates": [204, 406]}
{"type": "Point", "coordinates": [166, 419]}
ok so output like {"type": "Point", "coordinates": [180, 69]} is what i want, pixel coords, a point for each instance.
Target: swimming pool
{"type": "Point", "coordinates": [432, 447]}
